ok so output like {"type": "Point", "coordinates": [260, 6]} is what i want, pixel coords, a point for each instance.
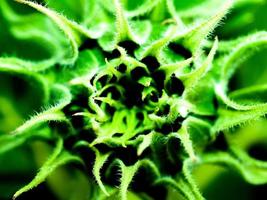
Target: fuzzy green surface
{"type": "Point", "coordinates": [132, 100]}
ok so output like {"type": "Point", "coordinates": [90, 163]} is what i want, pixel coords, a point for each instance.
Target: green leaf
{"type": "Point", "coordinates": [244, 48]}
{"type": "Point", "coordinates": [238, 105]}
{"type": "Point", "coordinates": [132, 9]}
{"type": "Point", "coordinates": [137, 31]}
{"type": "Point", "coordinates": [175, 68]}
{"type": "Point", "coordinates": [86, 65]}
{"type": "Point", "coordinates": [155, 48]}
{"type": "Point", "coordinates": [231, 118]}
{"type": "Point", "coordinates": [15, 66]}
{"type": "Point", "coordinates": [79, 11]}
{"type": "Point", "coordinates": [73, 31]}
{"type": "Point", "coordinates": [172, 10]}
{"type": "Point", "coordinates": [197, 9]}
{"type": "Point", "coordinates": [61, 97]}
{"type": "Point", "coordinates": [31, 36]}
{"type": "Point", "coordinates": [141, 7]}
{"type": "Point", "coordinates": [57, 159]}
{"type": "Point", "coordinates": [255, 94]}
{"type": "Point", "coordinates": [184, 184]}
{"type": "Point", "coordinates": [9, 141]}
{"type": "Point", "coordinates": [29, 66]}
{"type": "Point", "coordinates": [200, 81]}
{"type": "Point", "coordinates": [253, 171]}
